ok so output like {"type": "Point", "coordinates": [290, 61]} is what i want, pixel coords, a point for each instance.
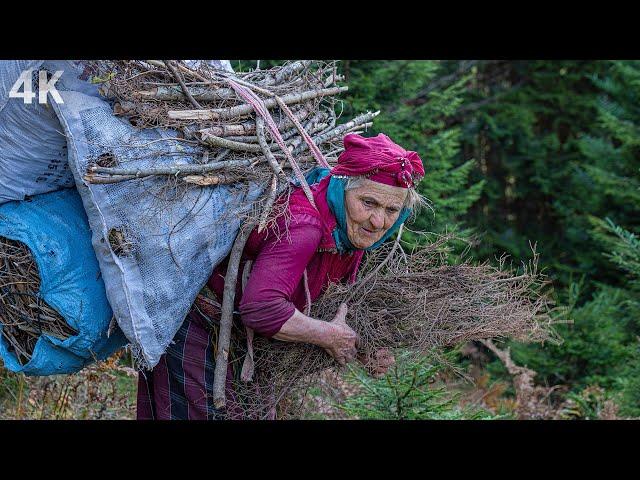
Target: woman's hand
{"type": "Point", "coordinates": [341, 340]}
{"type": "Point", "coordinates": [336, 337]}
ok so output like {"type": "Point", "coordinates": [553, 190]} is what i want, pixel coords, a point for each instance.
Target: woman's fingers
{"type": "Point", "coordinates": [338, 357]}
{"type": "Point", "coordinates": [342, 346]}
{"type": "Point", "coordinates": [343, 356]}
{"type": "Point", "coordinates": [349, 355]}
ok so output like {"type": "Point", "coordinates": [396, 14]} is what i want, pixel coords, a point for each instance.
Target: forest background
{"type": "Point", "coordinates": [517, 153]}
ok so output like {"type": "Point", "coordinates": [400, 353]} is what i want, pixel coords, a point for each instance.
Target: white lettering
{"type": "Point", "coordinates": [24, 79]}
{"type": "Point", "coordinates": [45, 87]}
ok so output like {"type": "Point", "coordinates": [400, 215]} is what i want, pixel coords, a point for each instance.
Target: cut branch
{"type": "Point", "coordinates": [175, 92]}
{"type": "Point", "coordinates": [340, 130]}
{"type": "Point", "coordinates": [249, 127]}
{"type": "Point", "coordinates": [291, 70]}
{"type": "Point", "coordinates": [226, 317]}
{"type": "Point", "coordinates": [230, 144]}
{"type": "Point", "coordinates": [268, 204]}
{"type": "Point", "coordinates": [171, 170]}
{"type": "Point", "coordinates": [208, 180]}
{"type": "Point", "coordinates": [240, 110]}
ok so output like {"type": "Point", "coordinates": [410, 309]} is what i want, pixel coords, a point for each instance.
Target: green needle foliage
{"type": "Point", "coordinates": [408, 391]}
{"type": "Point", "coordinates": [558, 141]}
{"type": "Point", "coordinates": [416, 107]}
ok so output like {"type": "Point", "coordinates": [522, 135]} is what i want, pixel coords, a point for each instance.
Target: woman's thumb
{"type": "Point", "coordinates": [342, 312]}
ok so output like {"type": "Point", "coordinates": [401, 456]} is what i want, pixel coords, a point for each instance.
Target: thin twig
{"type": "Point", "coordinates": [265, 148]}
{"type": "Point", "coordinates": [176, 74]}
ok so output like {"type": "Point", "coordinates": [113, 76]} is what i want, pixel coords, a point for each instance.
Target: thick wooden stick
{"type": "Point", "coordinates": [249, 127]}
{"type": "Point", "coordinates": [243, 138]}
{"type": "Point", "coordinates": [171, 170]}
{"type": "Point", "coordinates": [291, 70]}
{"type": "Point", "coordinates": [230, 144]}
{"type": "Point", "coordinates": [245, 109]}
{"type": "Point", "coordinates": [277, 169]}
{"type": "Point", "coordinates": [345, 127]}
{"type": "Point", "coordinates": [115, 175]}
{"type": "Point", "coordinates": [100, 180]}
{"type": "Point", "coordinates": [248, 366]}
{"type": "Point", "coordinates": [226, 316]}
{"type": "Point", "coordinates": [351, 127]}
{"type": "Point", "coordinates": [208, 180]}
{"type": "Point", "coordinates": [330, 80]}
{"type": "Point", "coordinates": [175, 92]}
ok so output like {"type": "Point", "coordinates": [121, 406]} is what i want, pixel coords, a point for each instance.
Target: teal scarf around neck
{"type": "Point", "coordinates": [335, 200]}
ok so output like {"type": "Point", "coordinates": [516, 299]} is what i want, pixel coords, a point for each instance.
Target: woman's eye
{"type": "Point", "coordinates": [368, 203]}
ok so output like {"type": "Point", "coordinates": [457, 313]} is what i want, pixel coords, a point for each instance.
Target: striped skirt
{"type": "Point", "coordinates": [180, 387]}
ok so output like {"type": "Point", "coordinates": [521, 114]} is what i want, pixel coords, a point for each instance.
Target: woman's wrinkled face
{"type": "Point", "coordinates": [371, 210]}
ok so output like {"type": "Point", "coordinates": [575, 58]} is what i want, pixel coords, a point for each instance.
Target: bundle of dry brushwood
{"type": "Point", "coordinates": [24, 316]}
{"type": "Point", "coordinates": [415, 301]}
{"type": "Point", "coordinates": [264, 126]}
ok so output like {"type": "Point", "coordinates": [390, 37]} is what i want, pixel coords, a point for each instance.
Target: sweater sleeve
{"type": "Point", "coordinates": [277, 270]}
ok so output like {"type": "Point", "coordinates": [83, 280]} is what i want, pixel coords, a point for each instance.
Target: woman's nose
{"type": "Point", "coordinates": [377, 220]}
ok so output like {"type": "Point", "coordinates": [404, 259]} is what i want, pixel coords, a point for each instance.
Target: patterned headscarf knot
{"type": "Point", "coordinates": [379, 159]}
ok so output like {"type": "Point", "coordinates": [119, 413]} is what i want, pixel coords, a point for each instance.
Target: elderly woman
{"type": "Point", "coordinates": [359, 203]}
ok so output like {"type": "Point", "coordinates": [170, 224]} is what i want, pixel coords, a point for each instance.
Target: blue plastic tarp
{"type": "Point", "coordinates": [55, 228]}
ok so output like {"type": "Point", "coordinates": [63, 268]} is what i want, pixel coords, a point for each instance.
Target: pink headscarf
{"type": "Point", "coordinates": [379, 159]}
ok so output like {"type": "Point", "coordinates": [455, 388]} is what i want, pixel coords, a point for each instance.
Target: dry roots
{"type": "Point", "coordinates": [415, 301]}
{"type": "Point", "coordinates": [24, 316]}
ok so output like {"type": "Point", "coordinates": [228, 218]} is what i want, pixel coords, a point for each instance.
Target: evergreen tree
{"type": "Point", "coordinates": [521, 122]}
{"type": "Point", "coordinates": [392, 88]}
{"type": "Point", "coordinates": [615, 171]}
{"type": "Point", "coordinates": [595, 185]}
{"type": "Point", "coordinates": [407, 392]}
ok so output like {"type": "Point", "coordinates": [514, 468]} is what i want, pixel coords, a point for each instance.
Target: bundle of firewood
{"type": "Point", "coordinates": [24, 315]}
{"type": "Point", "coordinates": [263, 126]}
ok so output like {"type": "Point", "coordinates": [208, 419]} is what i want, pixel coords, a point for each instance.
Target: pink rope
{"type": "Point", "coordinates": [260, 109]}
{"type": "Point", "coordinates": [312, 146]}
